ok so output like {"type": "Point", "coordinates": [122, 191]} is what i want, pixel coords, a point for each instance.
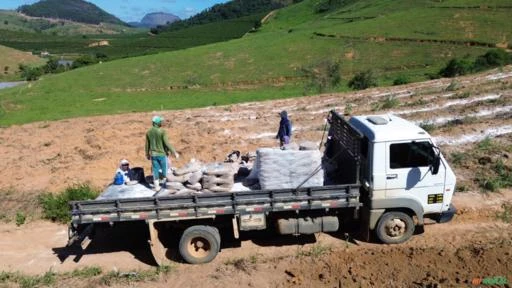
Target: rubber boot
{"type": "Point", "coordinates": [157, 185]}
{"type": "Point", "coordinates": [164, 183]}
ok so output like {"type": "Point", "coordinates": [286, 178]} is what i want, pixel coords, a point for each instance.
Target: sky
{"type": "Point", "coordinates": [134, 10]}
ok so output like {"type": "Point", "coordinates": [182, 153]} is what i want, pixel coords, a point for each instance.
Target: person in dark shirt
{"type": "Point", "coordinates": [284, 134]}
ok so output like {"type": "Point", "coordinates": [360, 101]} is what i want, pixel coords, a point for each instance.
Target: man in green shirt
{"type": "Point", "coordinates": [157, 150]}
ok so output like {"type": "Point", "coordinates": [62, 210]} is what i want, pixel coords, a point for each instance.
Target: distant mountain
{"type": "Point", "coordinates": [74, 10]}
{"type": "Point", "coordinates": [152, 20]}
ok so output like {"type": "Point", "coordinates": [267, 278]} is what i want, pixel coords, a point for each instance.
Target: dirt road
{"type": "Point", "coordinates": [475, 244]}
{"type": "Point", "coordinates": [50, 156]}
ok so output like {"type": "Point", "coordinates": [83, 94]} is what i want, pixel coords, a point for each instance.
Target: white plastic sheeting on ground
{"type": "Point", "coordinates": [447, 104]}
{"type": "Point", "coordinates": [279, 169]}
{"type": "Point", "coordinates": [481, 113]}
{"type": "Point", "coordinates": [126, 191]}
{"type": "Point", "coordinates": [470, 138]}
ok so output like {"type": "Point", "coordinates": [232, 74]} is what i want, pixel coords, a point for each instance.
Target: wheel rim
{"type": "Point", "coordinates": [199, 247]}
{"type": "Point", "coordinates": [395, 227]}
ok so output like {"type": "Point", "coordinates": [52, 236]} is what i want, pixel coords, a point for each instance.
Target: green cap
{"type": "Point", "coordinates": [157, 119]}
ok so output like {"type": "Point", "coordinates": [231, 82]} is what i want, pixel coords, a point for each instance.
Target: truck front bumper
{"type": "Point", "coordinates": [447, 215]}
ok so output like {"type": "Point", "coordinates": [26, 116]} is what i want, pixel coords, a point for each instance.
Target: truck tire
{"type": "Point", "coordinates": [199, 244]}
{"type": "Point", "coordinates": [395, 227]}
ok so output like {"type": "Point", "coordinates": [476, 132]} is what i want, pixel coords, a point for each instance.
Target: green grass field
{"type": "Point", "coordinates": [266, 64]}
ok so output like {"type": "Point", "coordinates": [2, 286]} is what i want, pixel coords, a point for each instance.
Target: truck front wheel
{"type": "Point", "coordinates": [395, 227]}
{"type": "Point", "coordinates": [199, 244]}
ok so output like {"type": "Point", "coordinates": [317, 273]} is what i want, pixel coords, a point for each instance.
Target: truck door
{"type": "Point", "coordinates": [409, 174]}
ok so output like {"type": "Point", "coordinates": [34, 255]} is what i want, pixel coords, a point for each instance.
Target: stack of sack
{"type": "Point", "coordinates": [268, 168]}
{"type": "Point", "coordinates": [197, 178]}
{"type": "Point", "coordinates": [280, 168]}
{"type": "Point", "coordinates": [218, 177]}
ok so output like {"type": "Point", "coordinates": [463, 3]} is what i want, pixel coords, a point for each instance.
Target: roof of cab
{"type": "Point", "coordinates": [383, 128]}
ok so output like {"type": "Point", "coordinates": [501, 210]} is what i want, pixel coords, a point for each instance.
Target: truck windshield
{"type": "Point", "coordinates": [412, 154]}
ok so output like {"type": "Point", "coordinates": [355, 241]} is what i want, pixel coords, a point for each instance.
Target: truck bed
{"type": "Point", "coordinates": [212, 205]}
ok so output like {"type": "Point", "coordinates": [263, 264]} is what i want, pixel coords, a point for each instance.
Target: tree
{"type": "Point", "coordinates": [257, 24]}
{"type": "Point", "coordinates": [6, 22]}
{"type": "Point", "coordinates": [51, 66]}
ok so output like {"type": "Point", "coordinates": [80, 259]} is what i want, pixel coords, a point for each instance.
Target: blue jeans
{"type": "Point", "coordinates": [159, 163]}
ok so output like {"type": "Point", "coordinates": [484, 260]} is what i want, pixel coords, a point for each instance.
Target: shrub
{"type": "Point", "coordinates": [101, 56]}
{"type": "Point", "coordinates": [363, 80]}
{"type": "Point", "coordinates": [328, 5]}
{"type": "Point", "coordinates": [56, 207]}
{"type": "Point", "coordinates": [457, 67]}
{"type": "Point", "coordinates": [348, 109]}
{"type": "Point", "coordinates": [493, 58]}
{"type": "Point", "coordinates": [401, 80]}
{"type": "Point", "coordinates": [322, 76]}
{"type": "Point", "coordinates": [47, 279]}
{"type": "Point", "coordinates": [454, 85]}
{"type": "Point", "coordinates": [87, 272]}
{"type": "Point", "coordinates": [30, 73]}
{"type": "Point", "coordinates": [486, 144]}
{"type": "Point", "coordinates": [458, 158]}
{"type": "Point", "coordinates": [20, 218]}
{"type": "Point", "coordinates": [506, 214]}
{"type": "Point", "coordinates": [428, 126]}
{"type": "Point", "coordinates": [84, 61]}
{"type": "Point", "coordinates": [389, 102]}
{"type": "Point", "coordinates": [501, 179]}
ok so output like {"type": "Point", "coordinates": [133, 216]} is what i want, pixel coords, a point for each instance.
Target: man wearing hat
{"type": "Point", "coordinates": [157, 150]}
{"type": "Point", "coordinates": [124, 169]}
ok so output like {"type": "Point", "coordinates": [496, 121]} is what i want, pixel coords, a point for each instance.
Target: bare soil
{"type": "Point", "coordinates": [50, 156]}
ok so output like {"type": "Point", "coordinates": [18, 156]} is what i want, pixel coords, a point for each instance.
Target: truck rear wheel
{"type": "Point", "coordinates": [395, 227]}
{"type": "Point", "coordinates": [199, 244]}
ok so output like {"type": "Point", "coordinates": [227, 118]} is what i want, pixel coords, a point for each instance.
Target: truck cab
{"type": "Point", "coordinates": [403, 172]}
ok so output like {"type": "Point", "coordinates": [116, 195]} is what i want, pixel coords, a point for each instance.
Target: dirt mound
{"type": "Point", "coordinates": [404, 266]}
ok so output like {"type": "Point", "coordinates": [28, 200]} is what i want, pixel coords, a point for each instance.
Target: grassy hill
{"type": "Point", "coordinates": [392, 37]}
{"type": "Point", "coordinates": [75, 10]}
{"type": "Point", "coordinates": [17, 22]}
{"type": "Point", "coordinates": [129, 44]}
{"type": "Point", "coordinates": [10, 60]}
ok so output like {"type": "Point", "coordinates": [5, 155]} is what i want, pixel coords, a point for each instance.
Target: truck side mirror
{"type": "Point", "coordinates": [436, 162]}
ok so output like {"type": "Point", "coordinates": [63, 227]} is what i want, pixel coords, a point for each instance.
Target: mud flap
{"type": "Point", "coordinates": [364, 224]}
{"type": "Point", "coordinates": [157, 248]}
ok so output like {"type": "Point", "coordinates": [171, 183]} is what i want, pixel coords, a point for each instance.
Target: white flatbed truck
{"type": "Point", "coordinates": [383, 173]}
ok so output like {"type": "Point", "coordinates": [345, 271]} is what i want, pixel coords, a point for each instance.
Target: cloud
{"type": "Point", "coordinates": [189, 11]}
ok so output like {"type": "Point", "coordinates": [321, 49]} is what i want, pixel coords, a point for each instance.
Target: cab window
{"type": "Point", "coordinates": [412, 154]}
